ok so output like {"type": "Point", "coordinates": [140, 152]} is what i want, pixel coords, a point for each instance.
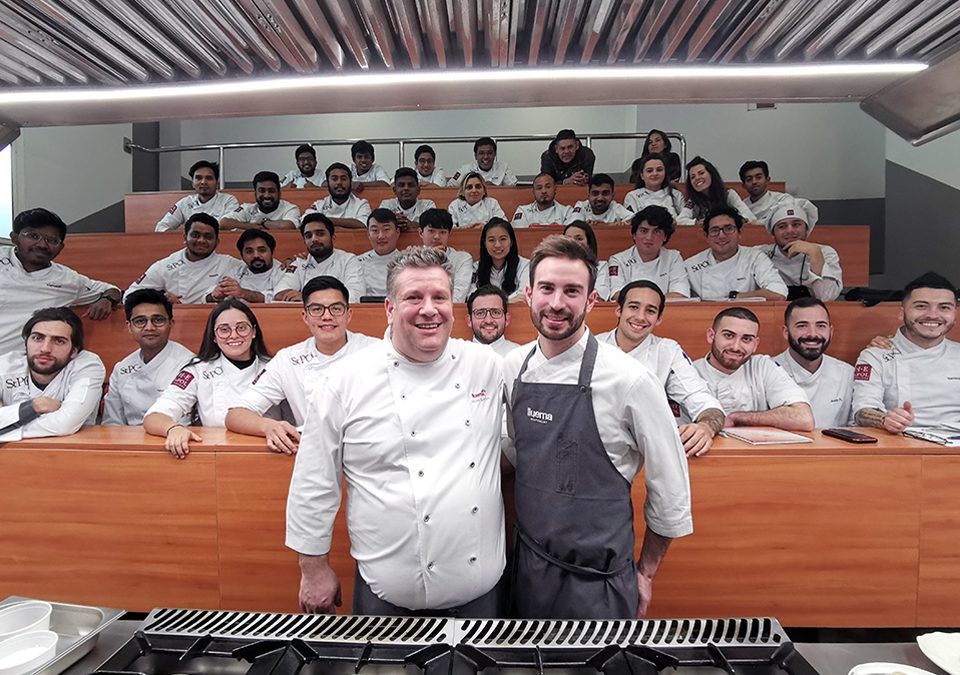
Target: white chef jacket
{"type": "Point", "coordinates": [22, 293]}
{"type": "Point", "coordinates": [764, 207]}
{"type": "Point", "coordinates": [219, 205]}
{"type": "Point", "coordinates": [413, 213]}
{"type": "Point", "coordinates": [674, 369]}
{"type": "Point", "coordinates": [928, 378]}
{"type": "Point", "coordinates": [374, 267]}
{"type": "Point", "coordinates": [615, 213]}
{"type": "Point", "coordinates": [295, 178]}
{"type": "Point", "coordinates": [748, 270]}
{"type": "Point", "coordinates": [462, 273]}
{"type": "Point", "coordinates": [264, 282]}
{"type": "Point", "coordinates": [756, 386]}
{"type": "Point", "coordinates": [213, 386]}
{"type": "Point", "coordinates": [528, 215]}
{"type": "Point", "coordinates": [499, 174]}
{"type": "Point", "coordinates": [292, 376]}
{"type": "Point", "coordinates": [340, 264]}
{"type": "Point", "coordinates": [251, 213]}
{"type": "Point", "coordinates": [438, 177]}
{"type": "Point", "coordinates": [796, 271]}
{"type": "Point", "coordinates": [602, 285]}
{"type": "Point", "coordinates": [667, 271]}
{"type": "Point", "coordinates": [419, 445]}
{"type": "Point", "coordinates": [352, 207]}
{"type": "Point", "coordinates": [502, 346]}
{"type": "Point", "coordinates": [635, 423]}
{"type": "Point", "coordinates": [829, 390]}
{"type": "Point", "coordinates": [135, 385]}
{"type": "Point", "coordinates": [465, 215]}
{"type": "Point", "coordinates": [191, 280]}
{"type": "Point", "coordinates": [374, 173]}
{"type": "Point", "coordinates": [688, 214]}
{"type": "Point", "coordinates": [497, 276]}
{"type": "Point", "coordinates": [78, 388]}
{"type": "Point", "coordinates": [670, 199]}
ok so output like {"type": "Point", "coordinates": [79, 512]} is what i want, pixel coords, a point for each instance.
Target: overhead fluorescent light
{"type": "Point", "coordinates": [373, 80]}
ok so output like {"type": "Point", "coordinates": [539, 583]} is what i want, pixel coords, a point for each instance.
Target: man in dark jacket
{"type": "Point", "coordinates": [567, 160]}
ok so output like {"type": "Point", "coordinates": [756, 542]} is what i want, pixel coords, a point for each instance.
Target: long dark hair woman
{"type": "Point", "coordinates": [657, 143]}
{"type": "Point", "coordinates": [706, 191]}
{"type": "Point", "coordinates": [500, 263]}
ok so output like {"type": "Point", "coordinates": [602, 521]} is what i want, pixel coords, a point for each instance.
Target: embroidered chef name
{"type": "Point", "coordinates": [479, 396]}
{"type": "Point", "coordinates": [539, 416]}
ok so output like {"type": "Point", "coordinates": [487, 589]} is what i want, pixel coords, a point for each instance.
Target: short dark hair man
{"type": "Point", "coordinates": [493, 171]}
{"type": "Point", "coordinates": [206, 198]}
{"type": "Point", "coordinates": [384, 234]}
{"type": "Point", "coordinates": [488, 315]}
{"type": "Point", "coordinates": [827, 382]}
{"type": "Point", "coordinates": [268, 212]}
{"type": "Point", "coordinates": [323, 259]}
{"type": "Point", "coordinates": [407, 204]}
{"type": "Point", "coordinates": [806, 268]}
{"type": "Point", "coordinates": [342, 207]}
{"type": "Point", "coordinates": [544, 209]}
{"type": "Point", "coordinates": [584, 418]}
{"type": "Point", "coordinates": [138, 379]}
{"type": "Point", "coordinates": [567, 159]}
{"type": "Point", "coordinates": [261, 274]}
{"type": "Point", "coordinates": [600, 208]}
{"type": "Point", "coordinates": [435, 227]}
{"type": "Point", "coordinates": [651, 229]}
{"type": "Point", "coordinates": [751, 387]}
{"type": "Point", "coordinates": [29, 278]}
{"type": "Point", "coordinates": [727, 270]}
{"type": "Point", "coordinates": [53, 389]}
{"type": "Point", "coordinates": [305, 175]}
{"type": "Point", "coordinates": [914, 382]}
{"type": "Point", "coordinates": [190, 274]}
{"type": "Point", "coordinates": [428, 173]}
{"type": "Point", "coordinates": [364, 171]}
{"type": "Point", "coordinates": [639, 310]}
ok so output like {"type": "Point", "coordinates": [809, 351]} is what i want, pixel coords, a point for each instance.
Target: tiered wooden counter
{"type": "Point", "coordinates": [825, 534]}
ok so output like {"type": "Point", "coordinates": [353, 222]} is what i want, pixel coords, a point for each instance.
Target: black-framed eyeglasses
{"type": "Point", "coordinates": [726, 229]}
{"type": "Point", "coordinates": [242, 329]}
{"type": "Point", "coordinates": [494, 313]}
{"type": "Point", "coordinates": [36, 237]}
{"type": "Point", "coordinates": [157, 320]}
{"type": "Point", "coordinates": [317, 310]}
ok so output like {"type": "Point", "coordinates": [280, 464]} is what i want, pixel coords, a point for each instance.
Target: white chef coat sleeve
{"type": "Point", "coordinates": [734, 201]}
{"type": "Point", "coordinates": [523, 279]}
{"type": "Point", "coordinates": [172, 219]}
{"type": "Point", "coordinates": [290, 281]}
{"type": "Point", "coordinates": [113, 403]}
{"type": "Point", "coordinates": [287, 179]}
{"type": "Point", "coordinates": [616, 269]}
{"type": "Point", "coordinates": [82, 399]}
{"type": "Point", "coordinates": [685, 216]}
{"type": "Point", "coordinates": [667, 507]}
{"type": "Point", "coordinates": [686, 388]}
{"type": "Point", "coordinates": [363, 211]}
{"type": "Point", "coordinates": [439, 177]}
{"type": "Point", "coordinates": [91, 289]}
{"type": "Point", "coordinates": [314, 496]}
{"type": "Point", "coordinates": [766, 276]}
{"type": "Point", "coordinates": [291, 213]}
{"type": "Point", "coordinates": [230, 204]}
{"type": "Point", "coordinates": [180, 396]}
{"type": "Point", "coordinates": [603, 281]}
{"type": "Point", "coordinates": [679, 281]}
{"type": "Point", "coordinates": [827, 285]}
{"type": "Point", "coordinates": [779, 387]}
{"type": "Point", "coordinates": [266, 390]}
{"type": "Point", "coordinates": [462, 276]}
{"type": "Point", "coordinates": [152, 278]}
{"type": "Point", "coordinates": [519, 218]}
{"type": "Point", "coordinates": [381, 174]}
{"type": "Point", "coordinates": [508, 177]}
{"type": "Point", "coordinates": [353, 278]}
{"type": "Point", "coordinates": [454, 214]}
{"type": "Point", "coordinates": [496, 211]}
{"type": "Point", "coordinates": [868, 388]}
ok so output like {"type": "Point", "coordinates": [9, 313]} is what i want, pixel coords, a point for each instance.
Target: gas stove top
{"type": "Point", "coordinates": [188, 642]}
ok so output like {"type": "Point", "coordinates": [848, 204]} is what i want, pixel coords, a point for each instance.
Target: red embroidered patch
{"type": "Point", "coordinates": [862, 371]}
{"type": "Point", "coordinates": [183, 379]}
{"type": "Point", "coordinates": [675, 407]}
{"type": "Point", "coordinates": [614, 270]}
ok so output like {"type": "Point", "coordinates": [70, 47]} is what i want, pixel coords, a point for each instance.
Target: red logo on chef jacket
{"type": "Point", "coordinates": [183, 379]}
{"type": "Point", "coordinates": [613, 270]}
{"type": "Point", "coordinates": [862, 371]}
{"type": "Point", "coordinates": [479, 396]}
{"type": "Point", "coordinates": [675, 407]}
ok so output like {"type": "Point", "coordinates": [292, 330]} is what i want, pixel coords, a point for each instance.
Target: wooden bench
{"type": "Point", "coordinates": [122, 258]}
{"type": "Point", "coordinates": [142, 210]}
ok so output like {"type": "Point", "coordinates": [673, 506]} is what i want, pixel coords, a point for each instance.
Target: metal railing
{"type": "Point", "coordinates": [678, 143]}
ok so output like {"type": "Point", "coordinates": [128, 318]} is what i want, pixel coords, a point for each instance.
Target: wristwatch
{"type": "Point", "coordinates": [733, 295]}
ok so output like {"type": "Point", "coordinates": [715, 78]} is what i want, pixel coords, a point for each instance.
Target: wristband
{"type": "Point", "coordinates": [165, 433]}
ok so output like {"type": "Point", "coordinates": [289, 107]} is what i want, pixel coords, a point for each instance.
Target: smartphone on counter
{"type": "Point", "coordinates": [849, 436]}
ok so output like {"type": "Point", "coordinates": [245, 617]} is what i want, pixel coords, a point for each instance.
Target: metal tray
{"type": "Point", "coordinates": [78, 627]}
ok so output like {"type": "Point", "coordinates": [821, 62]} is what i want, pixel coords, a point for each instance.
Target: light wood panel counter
{"type": "Point", "coordinates": [825, 534]}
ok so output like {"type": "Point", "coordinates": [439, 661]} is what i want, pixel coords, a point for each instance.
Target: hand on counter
{"type": "Point", "coordinates": [178, 441]}
{"type": "Point", "coordinates": [282, 437]}
{"type": "Point", "coordinates": [319, 585]}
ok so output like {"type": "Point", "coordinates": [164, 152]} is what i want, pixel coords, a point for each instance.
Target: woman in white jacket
{"type": "Point", "coordinates": [707, 191]}
{"type": "Point", "coordinates": [472, 207]}
{"type": "Point", "coordinates": [654, 189]}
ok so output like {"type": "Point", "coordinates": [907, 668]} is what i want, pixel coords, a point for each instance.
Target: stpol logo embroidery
{"type": "Point", "coordinates": [862, 371]}
{"type": "Point", "coordinates": [614, 270]}
{"type": "Point", "coordinates": [183, 379]}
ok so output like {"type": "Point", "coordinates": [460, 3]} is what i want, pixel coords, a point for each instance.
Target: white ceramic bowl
{"type": "Point", "coordinates": [27, 652]}
{"type": "Point", "coordinates": [24, 617]}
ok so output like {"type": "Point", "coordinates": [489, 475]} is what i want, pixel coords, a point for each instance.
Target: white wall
{"type": "Point", "coordinates": [936, 159]}
{"type": "Point", "coordinates": [6, 191]}
{"type": "Point", "coordinates": [73, 171]}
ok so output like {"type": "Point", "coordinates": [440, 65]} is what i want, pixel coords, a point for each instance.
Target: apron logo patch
{"type": "Point", "coordinates": [862, 371]}
{"type": "Point", "coordinates": [183, 379]}
{"type": "Point", "coordinates": [539, 416]}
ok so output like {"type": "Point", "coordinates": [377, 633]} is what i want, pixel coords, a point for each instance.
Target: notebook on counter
{"type": "Point", "coordinates": [765, 436]}
{"type": "Point", "coordinates": [946, 434]}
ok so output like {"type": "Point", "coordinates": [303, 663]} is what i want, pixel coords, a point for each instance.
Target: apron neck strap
{"type": "Point", "coordinates": [587, 362]}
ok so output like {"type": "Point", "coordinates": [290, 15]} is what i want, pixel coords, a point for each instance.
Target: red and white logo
{"type": "Point", "coordinates": [479, 396]}
{"type": "Point", "coordinates": [614, 270]}
{"type": "Point", "coordinates": [183, 379]}
{"type": "Point", "coordinates": [862, 372]}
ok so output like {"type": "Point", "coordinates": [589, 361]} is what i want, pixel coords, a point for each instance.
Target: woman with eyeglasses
{"type": "Point", "coordinates": [654, 189]}
{"type": "Point", "coordinates": [500, 263]}
{"type": "Point", "coordinates": [472, 207]}
{"type": "Point", "coordinates": [581, 231]}
{"type": "Point", "coordinates": [231, 356]}
{"type": "Point", "coordinates": [706, 191]}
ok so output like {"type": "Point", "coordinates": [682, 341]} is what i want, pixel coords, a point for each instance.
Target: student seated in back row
{"type": "Point", "coordinates": [206, 198]}
{"type": "Point", "coordinates": [305, 175]}
{"type": "Point", "coordinates": [544, 209]}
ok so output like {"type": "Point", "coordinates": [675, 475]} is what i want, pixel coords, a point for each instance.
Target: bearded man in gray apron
{"type": "Point", "coordinates": [584, 418]}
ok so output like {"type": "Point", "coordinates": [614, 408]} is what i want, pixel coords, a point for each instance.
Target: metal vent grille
{"type": "Point", "coordinates": [311, 627]}
{"type": "Point", "coordinates": [665, 633]}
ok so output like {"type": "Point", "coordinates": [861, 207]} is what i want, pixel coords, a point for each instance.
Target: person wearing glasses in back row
{"type": "Point", "coordinates": [293, 373]}
{"type": "Point", "coordinates": [29, 278]}
{"type": "Point", "coordinates": [138, 380]}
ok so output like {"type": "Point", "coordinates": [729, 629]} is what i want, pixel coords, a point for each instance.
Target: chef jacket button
{"type": "Point", "coordinates": [430, 566]}
{"type": "Point", "coordinates": [396, 364]}
{"type": "Point", "coordinates": [582, 388]}
{"type": "Point", "coordinates": [403, 397]}
{"type": "Point", "coordinates": [472, 464]}
{"type": "Point", "coordinates": [467, 423]}
{"type": "Point", "coordinates": [456, 386]}
{"type": "Point", "coordinates": [426, 518]}
{"type": "Point", "coordinates": [474, 509]}
{"type": "Point", "coordinates": [413, 433]}
{"type": "Point", "coordinates": [473, 560]}
{"type": "Point", "coordinates": [453, 357]}
{"type": "Point", "coordinates": [420, 473]}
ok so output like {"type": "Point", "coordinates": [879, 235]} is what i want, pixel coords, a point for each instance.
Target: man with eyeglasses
{"type": "Point", "coordinates": [384, 233]}
{"type": "Point", "coordinates": [488, 317]}
{"type": "Point", "coordinates": [651, 228]}
{"type": "Point", "coordinates": [323, 259]}
{"type": "Point", "coordinates": [189, 275]}
{"type": "Point", "coordinates": [30, 279]}
{"type": "Point", "coordinates": [293, 373]}
{"type": "Point", "coordinates": [727, 270]}
{"type": "Point", "coordinates": [138, 380]}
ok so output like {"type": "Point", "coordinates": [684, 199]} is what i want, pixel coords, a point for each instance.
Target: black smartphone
{"type": "Point", "coordinates": [849, 436]}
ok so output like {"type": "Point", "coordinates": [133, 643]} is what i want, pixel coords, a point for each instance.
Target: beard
{"type": "Point", "coordinates": [575, 321]}
{"type": "Point", "coordinates": [810, 351]}
{"type": "Point", "coordinates": [50, 369]}
{"type": "Point", "coordinates": [727, 362]}
{"type": "Point", "coordinates": [258, 265]}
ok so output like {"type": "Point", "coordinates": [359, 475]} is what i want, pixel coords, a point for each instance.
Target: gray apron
{"type": "Point", "coordinates": [573, 557]}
